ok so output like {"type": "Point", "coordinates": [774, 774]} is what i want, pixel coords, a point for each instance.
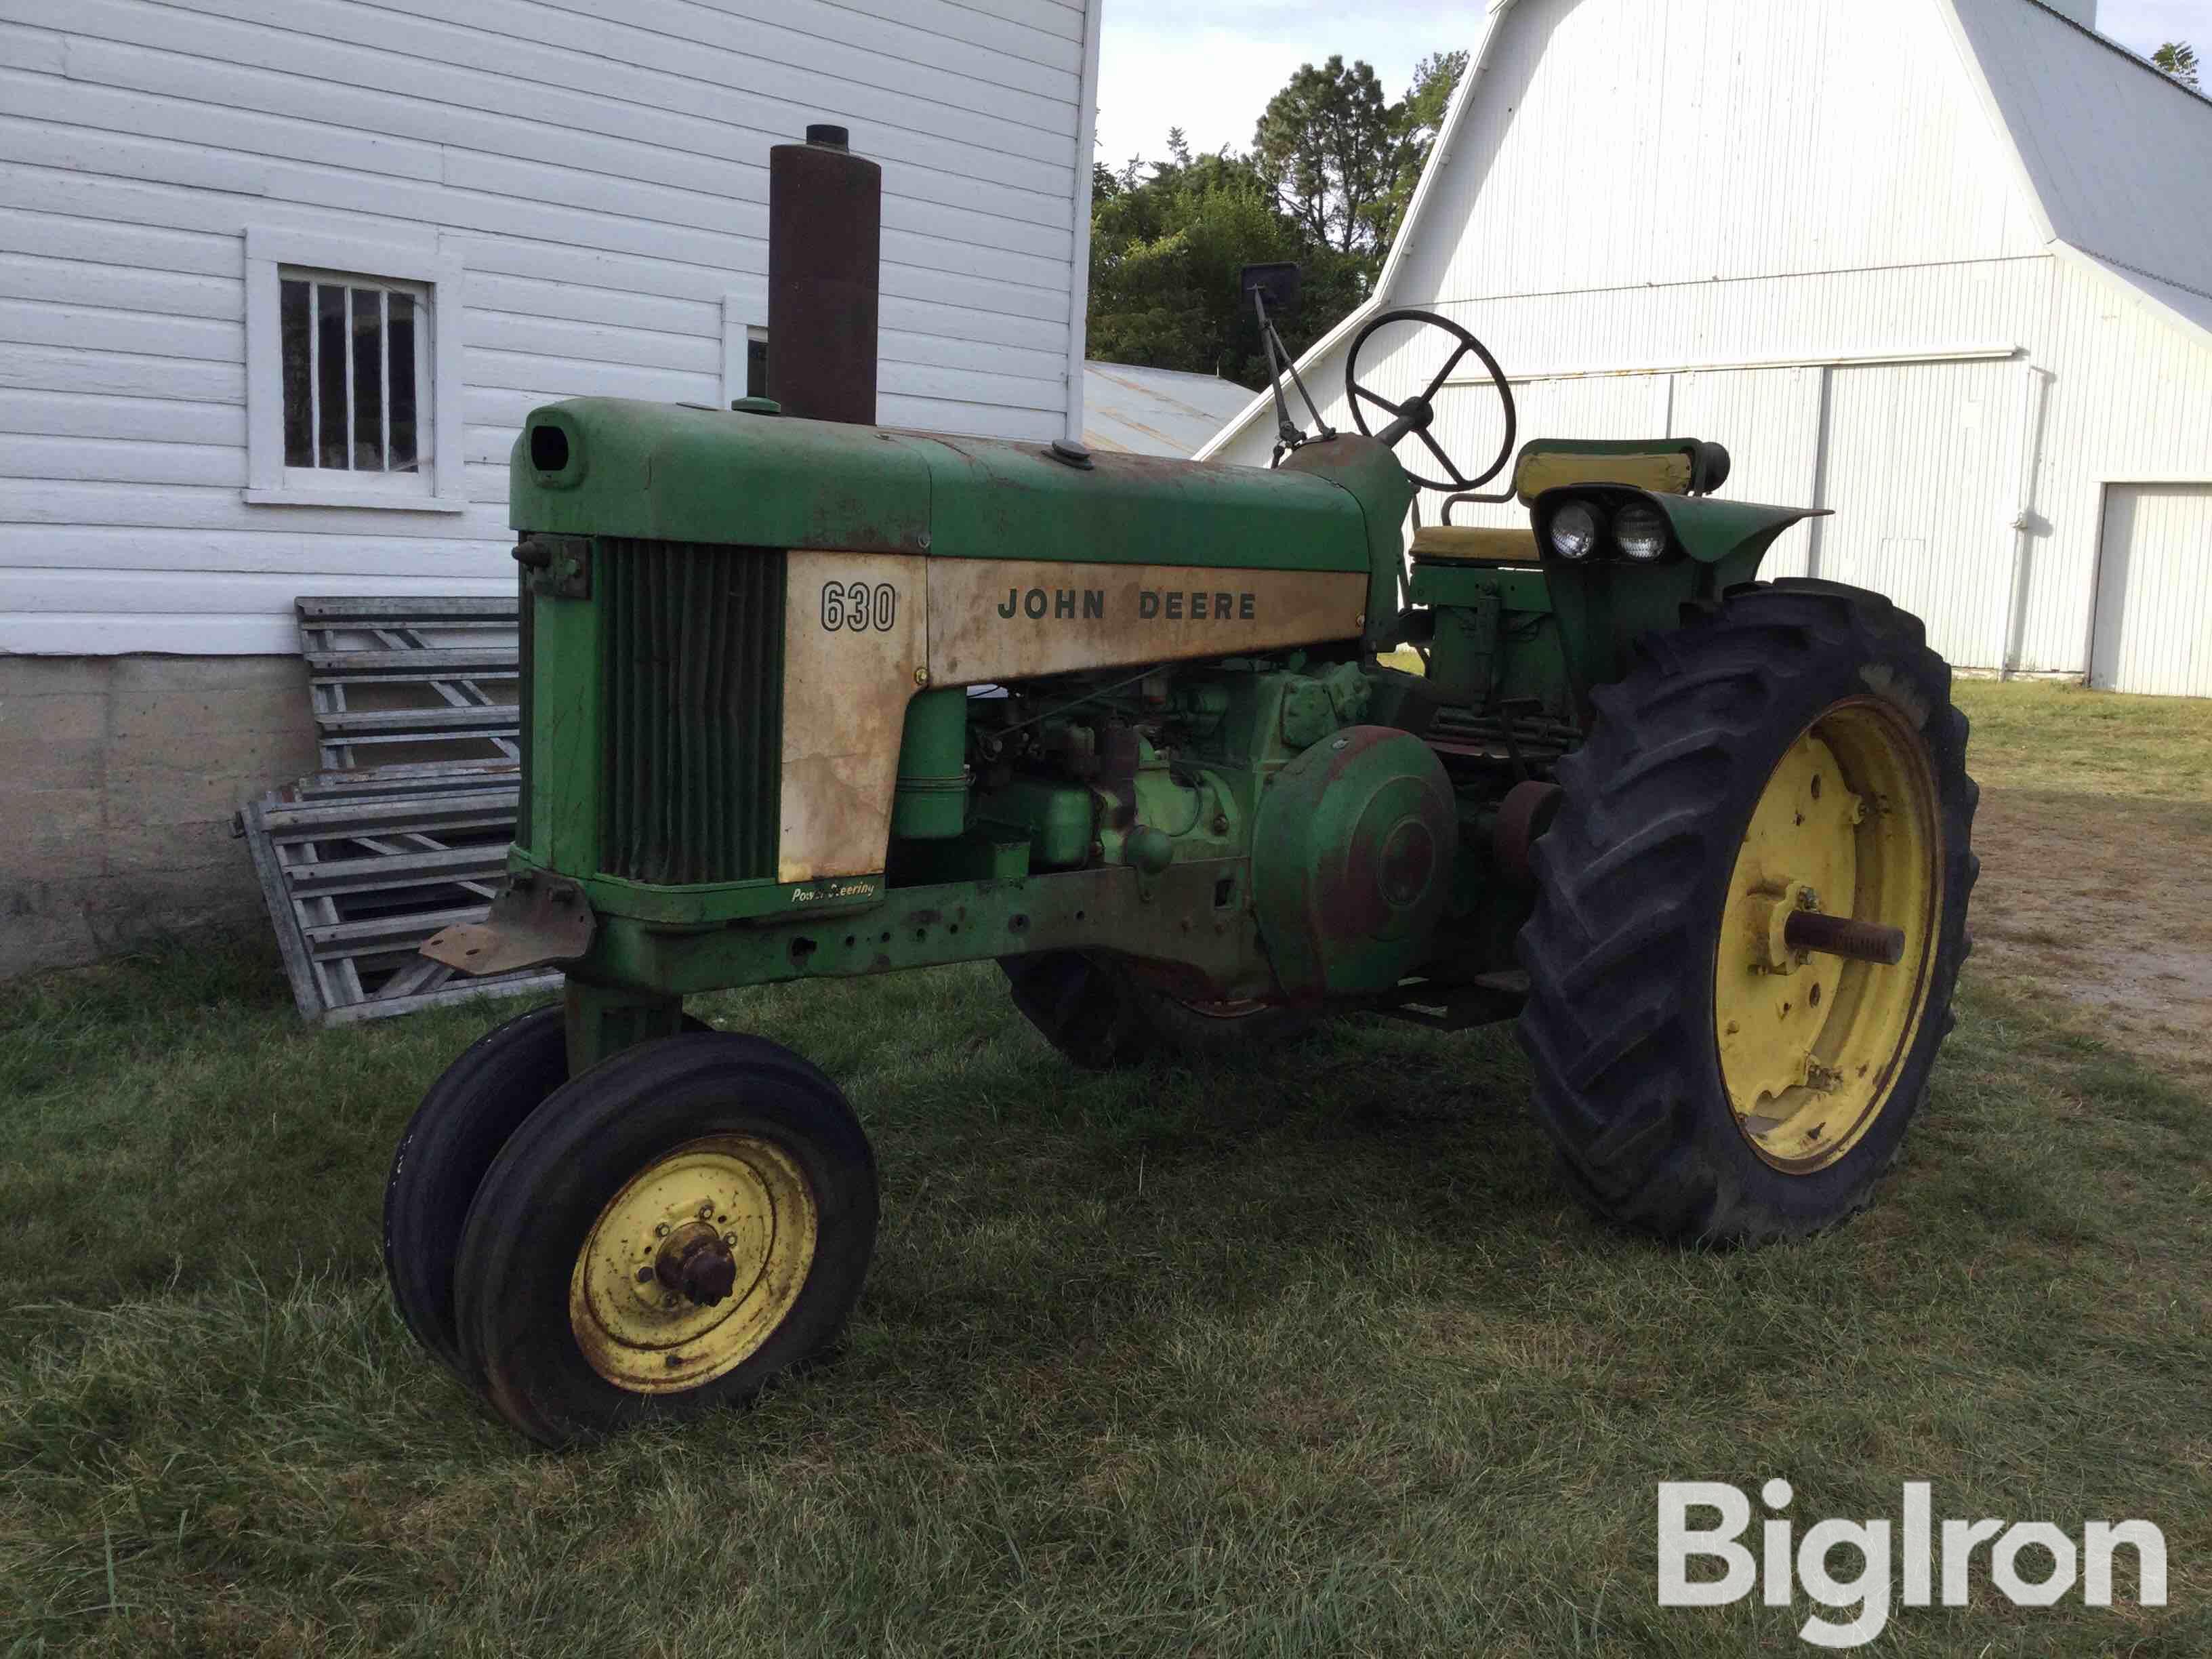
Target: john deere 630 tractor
{"type": "Point", "coordinates": [807, 699]}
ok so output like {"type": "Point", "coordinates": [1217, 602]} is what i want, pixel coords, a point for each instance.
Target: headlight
{"type": "Point", "coordinates": [1641, 530]}
{"type": "Point", "coordinates": [1574, 531]}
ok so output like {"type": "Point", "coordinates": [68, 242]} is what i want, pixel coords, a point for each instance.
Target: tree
{"type": "Point", "coordinates": [1164, 258]}
{"type": "Point", "coordinates": [1417, 119]}
{"type": "Point", "coordinates": [1326, 185]}
{"type": "Point", "coordinates": [2179, 59]}
{"type": "Point", "coordinates": [1325, 147]}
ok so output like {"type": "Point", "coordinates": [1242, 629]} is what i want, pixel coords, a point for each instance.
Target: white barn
{"type": "Point", "coordinates": [1942, 266]}
{"type": "Point", "coordinates": [481, 207]}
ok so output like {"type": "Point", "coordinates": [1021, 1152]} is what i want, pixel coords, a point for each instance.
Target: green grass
{"type": "Point", "coordinates": [1309, 1355]}
{"type": "Point", "coordinates": [2042, 736]}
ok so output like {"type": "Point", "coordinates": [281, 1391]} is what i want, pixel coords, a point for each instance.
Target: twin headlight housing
{"type": "Point", "coordinates": [1579, 528]}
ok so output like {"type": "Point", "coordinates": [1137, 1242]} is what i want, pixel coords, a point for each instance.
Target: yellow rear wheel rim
{"type": "Point", "coordinates": [1812, 1046]}
{"type": "Point", "coordinates": [739, 1193]}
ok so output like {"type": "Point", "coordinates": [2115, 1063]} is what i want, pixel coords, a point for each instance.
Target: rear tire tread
{"type": "Point", "coordinates": [1616, 1024]}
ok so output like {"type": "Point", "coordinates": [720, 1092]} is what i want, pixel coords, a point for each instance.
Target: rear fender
{"type": "Point", "coordinates": [1604, 604]}
{"type": "Point", "coordinates": [1732, 534]}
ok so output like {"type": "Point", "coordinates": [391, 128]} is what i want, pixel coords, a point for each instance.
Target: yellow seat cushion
{"type": "Point", "coordinates": [1498, 544]}
{"type": "Point", "coordinates": [1666, 472]}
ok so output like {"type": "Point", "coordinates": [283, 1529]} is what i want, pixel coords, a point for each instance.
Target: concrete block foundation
{"type": "Point", "coordinates": [119, 776]}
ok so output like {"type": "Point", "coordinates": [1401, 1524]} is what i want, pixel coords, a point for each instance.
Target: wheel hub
{"type": "Point", "coordinates": [1829, 931]}
{"type": "Point", "coordinates": [697, 1264]}
{"type": "Point", "coordinates": [693, 1264]}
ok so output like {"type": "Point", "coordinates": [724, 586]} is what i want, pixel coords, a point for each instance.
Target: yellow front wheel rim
{"type": "Point", "coordinates": [1812, 1046]}
{"type": "Point", "coordinates": [736, 1203]}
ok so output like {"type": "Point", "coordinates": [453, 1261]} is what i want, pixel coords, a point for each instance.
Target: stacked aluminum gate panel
{"type": "Point", "coordinates": [361, 863]}
{"type": "Point", "coordinates": [433, 678]}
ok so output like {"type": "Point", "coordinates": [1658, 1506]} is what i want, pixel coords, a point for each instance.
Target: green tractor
{"type": "Point", "coordinates": [804, 699]}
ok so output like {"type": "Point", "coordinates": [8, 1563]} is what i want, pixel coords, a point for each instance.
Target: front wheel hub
{"type": "Point", "coordinates": [694, 1263]}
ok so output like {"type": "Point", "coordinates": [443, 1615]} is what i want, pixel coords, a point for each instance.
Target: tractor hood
{"type": "Point", "coordinates": [604, 467]}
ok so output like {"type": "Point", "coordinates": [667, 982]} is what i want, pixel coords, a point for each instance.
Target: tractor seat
{"type": "Point", "coordinates": [1673, 466]}
{"type": "Point", "coordinates": [1492, 543]}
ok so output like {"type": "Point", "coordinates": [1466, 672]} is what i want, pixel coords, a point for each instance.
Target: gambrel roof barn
{"type": "Point", "coordinates": [1942, 266]}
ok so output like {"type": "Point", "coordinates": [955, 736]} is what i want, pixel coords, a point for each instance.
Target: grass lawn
{"type": "Point", "coordinates": [2095, 833]}
{"type": "Point", "coordinates": [1307, 1355]}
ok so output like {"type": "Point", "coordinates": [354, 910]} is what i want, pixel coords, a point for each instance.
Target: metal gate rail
{"type": "Point", "coordinates": [361, 862]}
{"type": "Point", "coordinates": [356, 884]}
{"type": "Point", "coordinates": [437, 675]}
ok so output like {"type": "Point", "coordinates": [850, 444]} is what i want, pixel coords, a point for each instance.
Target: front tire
{"type": "Point", "coordinates": [465, 1116]}
{"type": "Point", "coordinates": [670, 1232]}
{"type": "Point", "coordinates": [1794, 749]}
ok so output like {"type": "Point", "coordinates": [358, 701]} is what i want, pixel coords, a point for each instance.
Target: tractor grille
{"type": "Point", "coordinates": [693, 671]}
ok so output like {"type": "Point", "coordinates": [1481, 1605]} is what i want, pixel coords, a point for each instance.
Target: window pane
{"type": "Point", "coordinates": [367, 380]}
{"type": "Point", "coordinates": [299, 403]}
{"type": "Point", "coordinates": [401, 332]}
{"type": "Point", "coordinates": [331, 374]}
{"type": "Point", "coordinates": [757, 368]}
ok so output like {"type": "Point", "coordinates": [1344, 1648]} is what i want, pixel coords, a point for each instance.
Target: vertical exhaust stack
{"type": "Point", "coordinates": [824, 248]}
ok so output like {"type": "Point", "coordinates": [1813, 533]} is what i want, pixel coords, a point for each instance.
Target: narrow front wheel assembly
{"type": "Point", "coordinates": [464, 1118]}
{"type": "Point", "coordinates": [672, 1231]}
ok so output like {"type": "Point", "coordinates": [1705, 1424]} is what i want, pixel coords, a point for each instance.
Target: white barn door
{"type": "Point", "coordinates": [1923, 470]}
{"type": "Point", "coordinates": [2153, 623]}
{"type": "Point", "coordinates": [1769, 420]}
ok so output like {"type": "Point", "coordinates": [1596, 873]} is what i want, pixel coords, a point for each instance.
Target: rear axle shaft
{"type": "Point", "coordinates": [1842, 936]}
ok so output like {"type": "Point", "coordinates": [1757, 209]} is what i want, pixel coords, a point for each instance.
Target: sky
{"type": "Point", "coordinates": [1210, 66]}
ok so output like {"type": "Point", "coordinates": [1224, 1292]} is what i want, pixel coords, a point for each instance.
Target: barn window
{"type": "Point", "coordinates": [356, 355]}
{"type": "Point", "coordinates": [756, 363]}
{"type": "Point", "coordinates": [352, 374]}
{"type": "Point", "coordinates": [745, 343]}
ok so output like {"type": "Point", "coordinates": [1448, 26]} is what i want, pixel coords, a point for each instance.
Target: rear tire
{"type": "Point", "coordinates": [1093, 1008]}
{"type": "Point", "coordinates": [1635, 988]}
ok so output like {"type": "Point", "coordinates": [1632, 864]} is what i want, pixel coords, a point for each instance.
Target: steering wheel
{"type": "Point", "coordinates": [1414, 416]}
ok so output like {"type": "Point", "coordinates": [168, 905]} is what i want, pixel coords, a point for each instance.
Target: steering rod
{"type": "Point", "coordinates": [1416, 413]}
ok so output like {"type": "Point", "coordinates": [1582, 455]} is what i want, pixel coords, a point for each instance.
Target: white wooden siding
{"type": "Point", "coordinates": [1921, 462]}
{"type": "Point", "coordinates": [1622, 142]}
{"type": "Point", "coordinates": [2132, 402]}
{"type": "Point", "coordinates": [602, 182]}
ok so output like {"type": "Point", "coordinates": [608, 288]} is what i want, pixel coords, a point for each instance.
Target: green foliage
{"type": "Point", "coordinates": [1324, 147]}
{"type": "Point", "coordinates": [1325, 184]}
{"type": "Point", "coordinates": [2179, 59]}
{"type": "Point", "coordinates": [1418, 118]}
{"type": "Point", "coordinates": [1164, 258]}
